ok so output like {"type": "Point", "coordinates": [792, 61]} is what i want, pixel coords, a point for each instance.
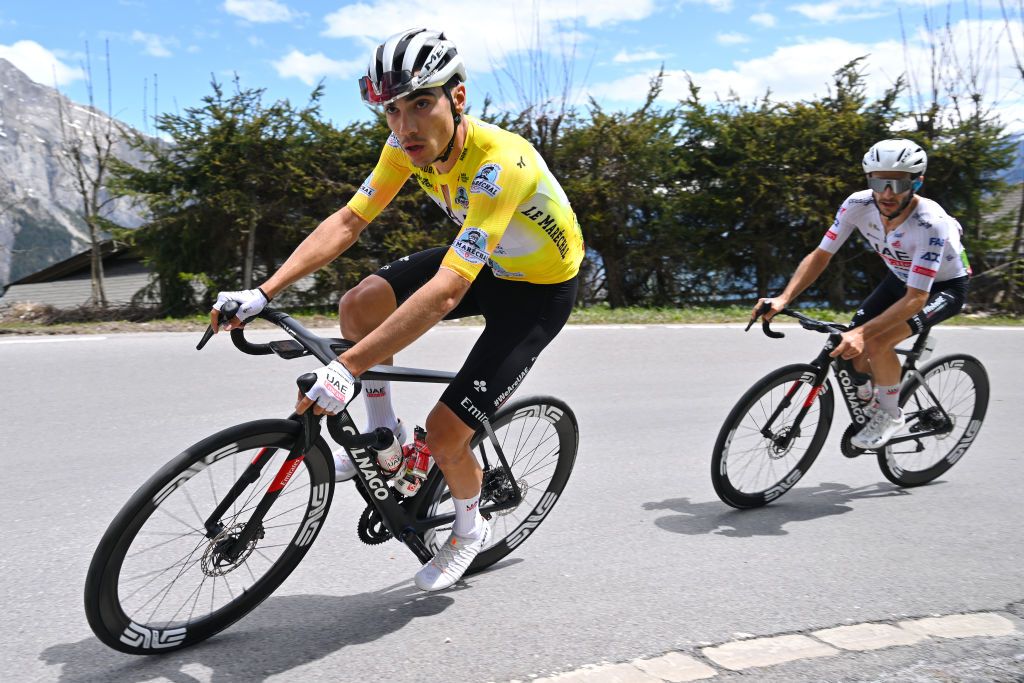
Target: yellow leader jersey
{"type": "Point", "coordinates": [513, 213]}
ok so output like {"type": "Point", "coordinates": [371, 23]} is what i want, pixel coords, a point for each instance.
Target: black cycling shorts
{"type": "Point", "coordinates": [521, 318]}
{"type": "Point", "coordinates": [944, 301]}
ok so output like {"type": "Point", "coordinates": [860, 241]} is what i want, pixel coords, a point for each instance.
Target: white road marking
{"type": "Point", "coordinates": [51, 340]}
{"type": "Point", "coordinates": [751, 653]}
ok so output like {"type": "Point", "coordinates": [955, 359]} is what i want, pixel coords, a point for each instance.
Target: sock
{"type": "Point", "coordinates": [888, 399]}
{"type": "Point", "coordinates": [467, 517]}
{"type": "Point", "coordinates": [379, 411]}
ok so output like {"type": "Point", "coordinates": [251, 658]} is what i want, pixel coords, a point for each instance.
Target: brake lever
{"type": "Point", "coordinates": [310, 420]}
{"type": "Point", "coordinates": [765, 325]}
{"type": "Point", "coordinates": [227, 312]}
{"type": "Point", "coordinates": [765, 307]}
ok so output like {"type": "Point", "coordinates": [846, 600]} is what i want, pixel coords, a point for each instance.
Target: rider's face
{"type": "Point", "coordinates": [888, 200]}
{"type": "Point", "coordinates": [423, 123]}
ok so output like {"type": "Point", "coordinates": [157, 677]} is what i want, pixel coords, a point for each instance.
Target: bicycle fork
{"type": "Point", "coordinates": [785, 437]}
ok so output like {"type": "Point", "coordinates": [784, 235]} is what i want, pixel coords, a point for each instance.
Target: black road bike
{"type": "Point", "coordinates": [217, 529]}
{"type": "Point", "coordinates": [776, 430]}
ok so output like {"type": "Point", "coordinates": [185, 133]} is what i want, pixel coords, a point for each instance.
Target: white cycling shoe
{"type": "Point", "coordinates": [345, 470]}
{"type": "Point", "coordinates": [451, 561]}
{"type": "Point", "coordinates": [880, 428]}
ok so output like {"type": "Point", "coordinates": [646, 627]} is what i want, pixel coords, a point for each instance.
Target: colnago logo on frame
{"type": "Point", "coordinates": [367, 465]}
{"type": "Point", "coordinates": [193, 470]}
{"type": "Point", "coordinates": [151, 638]}
{"type": "Point", "coordinates": [850, 393]}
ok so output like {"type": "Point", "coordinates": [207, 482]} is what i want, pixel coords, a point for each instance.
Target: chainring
{"type": "Point", "coordinates": [371, 529]}
{"type": "Point", "coordinates": [846, 444]}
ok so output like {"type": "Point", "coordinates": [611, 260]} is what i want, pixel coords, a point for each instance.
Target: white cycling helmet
{"type": "Point", "coordinates": [408, 61]}
{"type": "Point", "coordinates": [896, 155]}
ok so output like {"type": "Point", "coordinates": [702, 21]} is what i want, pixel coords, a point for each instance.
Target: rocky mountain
{"type": "Point", "coordinates": [39, 208]}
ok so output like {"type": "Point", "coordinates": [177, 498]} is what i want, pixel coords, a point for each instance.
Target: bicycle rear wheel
{"type": "Point", "coordinates": [960, 384]}
{"type": "Point", "coordinates": [157, 582]}
{"type": "Point", "coordinates": [750, 467]}
{"type": "Point", "coordinates": [539, 437]}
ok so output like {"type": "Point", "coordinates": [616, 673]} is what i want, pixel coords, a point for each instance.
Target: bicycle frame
{"type": "Point", "coordinates": [400, 516]}
{"type": "Point", "coordinates": [843, 372]}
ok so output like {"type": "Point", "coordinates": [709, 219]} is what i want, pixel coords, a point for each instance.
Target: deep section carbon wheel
{"type": "Point", "coordinates": [761, 452]}
{"type": "Point", "coordinates": [161, 579]}
{"type": "Point", "coordinates": [944, 414]}
{"type": "Point", "coordinates": [539, 437]}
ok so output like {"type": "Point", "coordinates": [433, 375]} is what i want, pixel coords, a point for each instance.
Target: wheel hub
{"type": "Point", "coordinates": [216, 560]}
{"type": "Point", "coordinates": [497, 488]}
{"type": "Point", "coordinates": [782, 443]}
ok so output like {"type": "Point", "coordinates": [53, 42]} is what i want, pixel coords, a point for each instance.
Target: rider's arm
{"type": "Point", "coordinates": [334, 235]}
{"type": "Point", "coordinates": [421, 311]}
{"type": "Point", "coordinates": [340, 230]}
{"type": "Point", "coordinates": [810, 268]}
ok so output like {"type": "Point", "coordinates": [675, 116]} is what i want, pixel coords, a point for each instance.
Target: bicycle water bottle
{"type": "Point", "coordinates": [417, 464]}
{"type": "Point", "coordinates": [390, 459]}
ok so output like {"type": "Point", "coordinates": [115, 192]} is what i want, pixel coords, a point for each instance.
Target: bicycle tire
{"type": "Point", "coordinates": [961, 385]}
{"type": "Point", "coordinates": [533, 423]}
{"type": "Point", "coordinates": [115, 594]}
{"type": "Point", "coordinates": [740, 444]}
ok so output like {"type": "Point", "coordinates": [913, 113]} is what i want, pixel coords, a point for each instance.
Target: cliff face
{"type": "Point", "coordinates": [39, 207]}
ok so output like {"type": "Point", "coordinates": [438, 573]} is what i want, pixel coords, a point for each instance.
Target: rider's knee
{"type": "Point", "coordinates": [444, 439]}
{"type": "Point", "coordinates": [877, 348]}
{"type": "Point", "coordinates": [365, 306]}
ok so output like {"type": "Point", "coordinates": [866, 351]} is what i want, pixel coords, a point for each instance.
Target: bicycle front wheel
{"type": "Point", "coordinates": [159, 581]}
{"type": "Point", "coordinates": [948, 408]}
{"type": "Point", "coordinates": [539, 437]}
{"type": "Point", "coordinates": [761, 452]}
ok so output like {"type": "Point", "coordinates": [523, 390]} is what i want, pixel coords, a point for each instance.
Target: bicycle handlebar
{"type": "Point", "coordinates": [805, 322]}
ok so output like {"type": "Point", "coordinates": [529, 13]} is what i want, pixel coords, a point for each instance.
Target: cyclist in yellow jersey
{"type": "Point", "coordinates": [514, 260]}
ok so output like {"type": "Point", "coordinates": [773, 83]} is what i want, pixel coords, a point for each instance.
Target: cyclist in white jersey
{"type": "Point", "coordinates": [926, 284]}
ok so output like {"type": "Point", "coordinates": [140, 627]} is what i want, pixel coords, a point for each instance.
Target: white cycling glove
{"type": "Point", "coordinates": [335, 386]}
{"type": "Point", "coordinates": [251, 302]}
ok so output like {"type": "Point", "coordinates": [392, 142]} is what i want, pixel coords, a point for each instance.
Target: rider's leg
{"type": "Point", "coordinates": [361, 310]}
{"type": "Point", "coordinates": [888, 291]}
{"type": "Point", "coordinates": [886, 368]}
{"type": "Point", "coordinates": [448, 439]}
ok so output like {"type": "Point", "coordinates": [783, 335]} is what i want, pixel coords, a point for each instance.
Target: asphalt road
{"type": "Point", "coordinates": [638, 558]}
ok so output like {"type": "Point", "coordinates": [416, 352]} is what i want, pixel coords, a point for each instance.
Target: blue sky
{"type": "Point", "coordinates": [613, 46]}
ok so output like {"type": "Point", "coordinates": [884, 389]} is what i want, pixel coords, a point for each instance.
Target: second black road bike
{"type": "Point", "coordinates": [776, 430]}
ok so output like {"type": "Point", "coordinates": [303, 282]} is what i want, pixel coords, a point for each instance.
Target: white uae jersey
{"type": "Point", "coordinates": [923, 249]}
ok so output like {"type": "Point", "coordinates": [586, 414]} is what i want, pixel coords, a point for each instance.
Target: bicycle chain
{"type": "Point", "coordinates": [371, 529]}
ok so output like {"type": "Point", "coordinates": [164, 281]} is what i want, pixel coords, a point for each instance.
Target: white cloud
{"type": "Point", "coordinates": [731, 39]}
{"type": "Point", "coordinates": [716, 5]}
{"type": "Point", "coordinates": [260, 11]}
{"type": "Point", "coordinates": [311, 68]}
{"type": "Point", "coordinates": [552, 26]}
{"type": "Point", "coordinates": [763, 19]}
{"type": "Point", "coordinates": [154, 45]}
{"type": "Point", "coordinates": [839, 10]}
{"type": "Point", "coordinates": [624, 57]}
{"type": "Point", "coordinates": [39, 64]}
{"type": "Point", "coordinates": [804, 71]}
